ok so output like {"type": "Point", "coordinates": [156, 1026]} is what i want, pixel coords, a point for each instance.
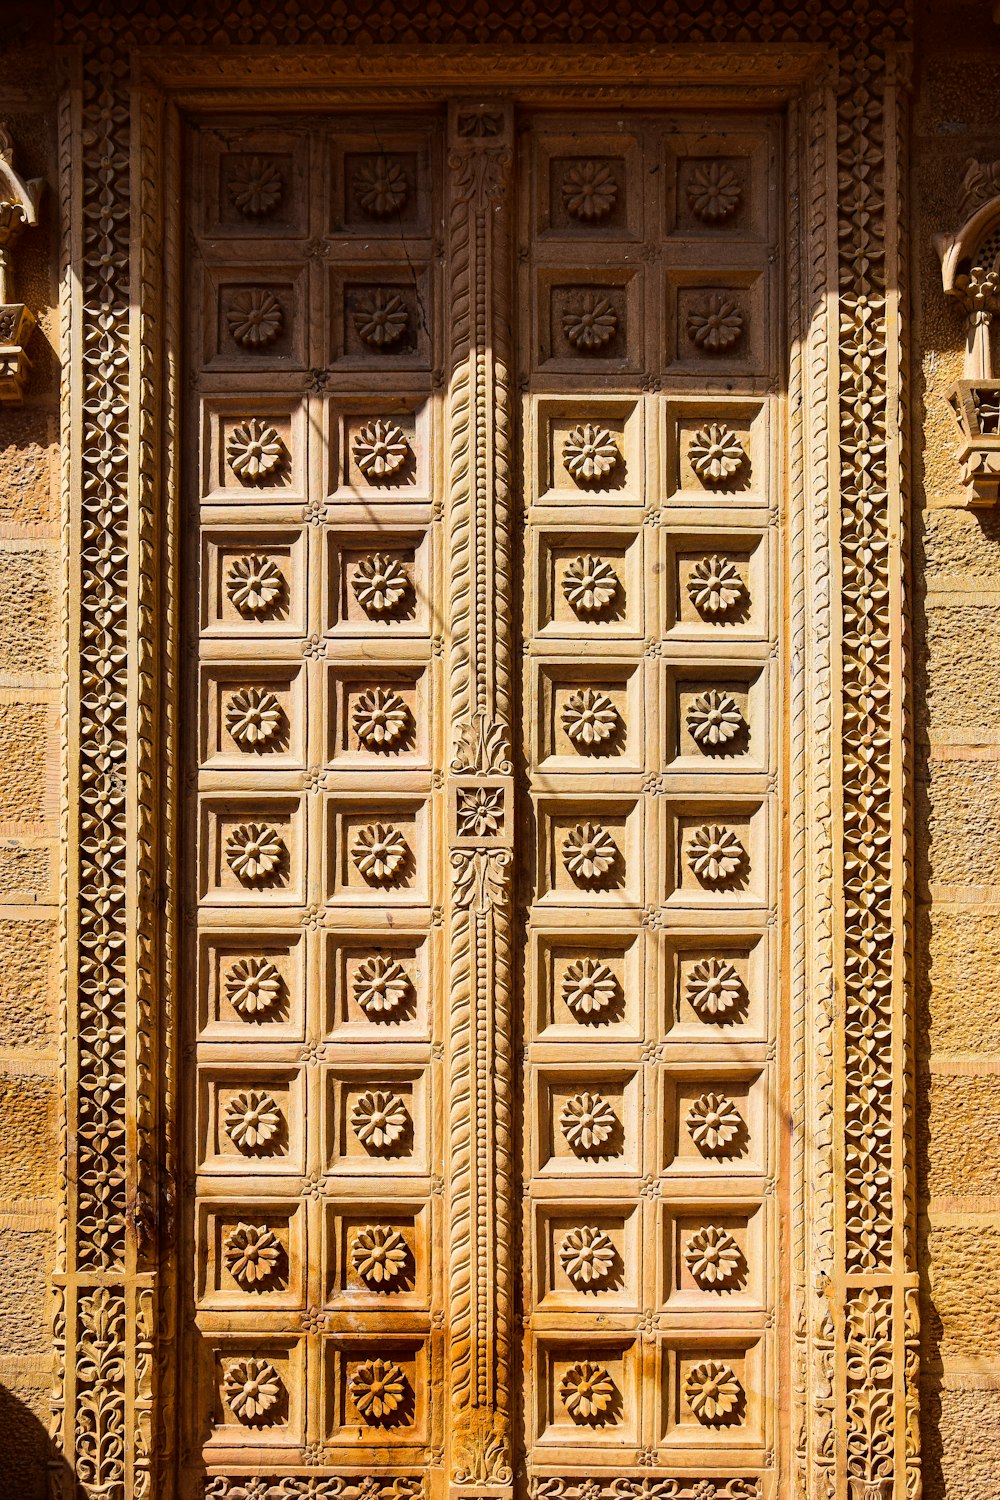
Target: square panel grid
{"type": "Point", "coordinates": [652, 721]}
{"type": "Point", "coordinates": [314, 619]}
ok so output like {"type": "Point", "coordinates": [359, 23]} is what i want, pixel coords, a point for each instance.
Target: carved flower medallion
{"type": "Point", "coordinates": [588, 1122]}
{"type": "Point", "coordinates": [712, 1391]}
{"type": "Point", "coordinates": [379, 1120]}
{"type": "Point", "coordinates": [715, 854]}
{"type": "Point", "coordinates": [714, 719]}
{"type": "Point", "coordinates": [380, 187]}
{"type": "Point", "coordinates": [590, 988]}
{"type": "Point", "coordinates": [590, 585]}
{"type": "Point", "coordinates": [715, 453]}
{"type": "Point", "coordinates": [717, 325]}
{"type": "Point", "coordinates": [591, 323]}
{"type": "Point", "coordinates": [381, 318]}
{"type": "Point", "coordinates": [252, 1388]}
{"type": "Point", "coordinates": [588, 1256]}
{"type": "Point", "coordinates": [590, 453]}
{"type": "Point", "coordinates": [714, 989]}
{"type": "Point", "coordinates": [380, 1256]}
{"type": "Point", "coordinates": [381, 719]}
{"type": "Point", "coordinates": [253, 852]}
{"type": "Point", "coordinates": [714, 1124]}
{"type": "Point", "coordinates": [255, 187]}
{"type": "Point", "coordinates": [255, 318]}
{"type": "Point", "coordinates": [253, 718]}
{"type": "Point", "coordinates": [378, 1389]}
{"type": "Point", "coordinates": [381, 986]}
{"type": "Point", "coordinates": [381, 584]}
{"type": "Point", "coordinates": [380, 450]}
{"type": "Point", "coordinates": [379, 852]}
{"type": "Point", "coordinates": [590, 718]}
{"type": "Point", "coordinates": [589, 852]}
{"type": "Point", "coordinates": [252, 1253]}
{"type": "Point", "coordinates": [713, 1257]}
{"type": "Point", "coordinates": [715, 586]}
{"type": "Point", "coordinates": [479, 812]}
{"type": "Point", "coordinates": [714, 192]}
{"type": "Point", "coordinates": [589, 190]}
{"type": "Point", "coordinates": [255, 451]}
{"type": "Point", "coordinates": [252, 1119]}
{"type": "Point", "coordinates": [254, 986]}
{"type": "Point", "coordinates": [254, 584]}
{"type": "Point", "coordinates": [587, 1391]}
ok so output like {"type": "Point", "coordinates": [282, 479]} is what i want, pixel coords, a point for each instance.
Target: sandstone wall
{"type": "Point", "coordinates": [956, 577]}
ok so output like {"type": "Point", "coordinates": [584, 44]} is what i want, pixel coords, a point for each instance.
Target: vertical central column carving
{"type": "Point", "coordinates": [480, 795]}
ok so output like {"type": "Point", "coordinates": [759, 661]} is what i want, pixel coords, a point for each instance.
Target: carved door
{"type": "Point", "coordinates": [481, 997]}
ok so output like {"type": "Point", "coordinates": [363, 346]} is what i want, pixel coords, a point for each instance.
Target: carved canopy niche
{"type": "Point", "coordinates": [844, 1326]}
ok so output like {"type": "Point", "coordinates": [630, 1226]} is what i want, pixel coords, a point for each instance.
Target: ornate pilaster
{"type": "Point", "coordinates": [480, 799]}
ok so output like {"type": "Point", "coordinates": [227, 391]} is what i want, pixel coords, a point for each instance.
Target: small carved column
{"type": "Point", "coordinates": [480, 800]}
{"type": "Point", "coordinates": [19, 201]}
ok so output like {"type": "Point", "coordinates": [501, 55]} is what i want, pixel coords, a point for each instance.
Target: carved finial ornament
{"type": "Point", "coordinates": [19, 204]}
{"type": "Point", "coordinates": [970, 274]}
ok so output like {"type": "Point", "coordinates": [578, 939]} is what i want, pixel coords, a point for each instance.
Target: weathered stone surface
{"type": "Point", "coordinates": [29, 622]}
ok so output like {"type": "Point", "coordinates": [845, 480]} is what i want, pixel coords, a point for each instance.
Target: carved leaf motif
{"type": "Point", "coordinates": [255, 318]}
{"type": "Point", "coordinates": [715, 326]}
{"type": "Point", "coordinates": [591, 323]}
{"type": "Point", "coordinates": [255, 584]}
{"type": "Point", "coordinates": [589, 190]}
{"type": "Point", "coordinates": [252, 1387]}
{"type": "Point", "coordinates": [380, 450]}
{"type": "Point", "coordinates": [588, 1392]}
{"type": "Point", "coordinates": [714, 192]}
{"type": "Point", "coordinates": [713, 1392]}
{"type": "Point", "coordinates": [591, 585]}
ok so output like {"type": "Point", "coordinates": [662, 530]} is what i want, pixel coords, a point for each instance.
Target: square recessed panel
{"type": "Point", "coordinates": [378, 582]}
{"type": "Point", "coordinates": [716, 585]}
{"type": "Point", "coordinates": [253, 586]}
{"type": "Point", "coordinates": [377, 717]}
{"type": "Point", "coordinates": [717, 452]}
{"type": "Point", "coordinates": [380, 316]}
{"type": "Point", "coordinates": [589, 717]}
{"type": "Point", "coordinates": [251, 1120]}
{"type": "Point", "coordinates": [714, 1255]}
{"type": "Point", "coordinates": [717, 186]}
{"type": "Point", "coordinates": [587, 1256]}
{"type": "Point", "coordinates": [357, 1415]}
{"type": "Point", "coordinates": [252, 851]}
{"type": "Point", "coordinates": [379, 450]}
{"type": "Point", "coordinates": [238, 1367]}
{"type": "Point", "coordinates": [381, 186]}
{"type": "Point", "coordinates": [714, 1122]}
{"type": "Point", "coordinates": [712, 1391]}
{"type": "Point", "coordinates": [587, 1393]}
{"type": "Point", "coordinates": [717, 719]}
{"type": "Point", "coordinates": [590, 852]}
{"type": "Point", "coordinates": [717, 323]}
{"type": "Point", "coordinates": [715, 986]}
{"type": "Point", "coordinates": [589, 583]}
{"type": "Point", "coordinates": [253, 718]}
{"type": "Point", "coordinates": [587, 1122]}
{"type": "Point", "coordinates": [255, 318]}
{"type": "Point", "coordinates": [717, 854]}
{"type": "Point", "coordinates": [253, 451]}
{"type": "Point", "coordinates": [376, 1121]}
{"type": "Point", "coordinates": [587, 187]}
{"type": "Point", "coordinates": [377, 851]}
{"type": "Point", "coordinates": [251, 984]}
{"type": "Point", "coordinates": [588, 450]}
{"type": "Point", "coordinates": [251, 1254]}
{"type": "Point", "coordinates": [588, 985]}
{"type": "Point", "coordinates": [589, 320]}
{"type": "Point", "coordinates": [255, 183]}
{"type": "Point", "coordinates": [377, 985]}
{"type": "Point", "coordinates": [377, 1255]}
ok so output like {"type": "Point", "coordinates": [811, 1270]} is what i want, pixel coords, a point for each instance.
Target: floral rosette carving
{"type": "Point", "coordinates": [254, 718]}
{"type": "Point", "coordinates": [590, 719]}
{"type": "Point", "coordinates": [479, 812]}
{"type": "Point", "coordinates": [588, 1122]}
{"type": "Point", "coordinates": [714, 192]}
{"type": "Point", "coordinates": [590, 585]}
{"type": "Point", "coordinates": [380, 187]}
{"type": "Point", "coordinates": [255, 451]}
{"type": "Point", "coordinates": [378, 1389]}
{"type": "Point", "coordinates": [590, 323]}
{"type": "Point", "coordinates": [713, 1392]}
{"type": "Point", "coordinates": [590, 989]}
{"type": "Point", "coordinates": [255, 585]}
{"type": "Point", "coordinates": [715, 990]}
{"type": "Point", "coordinates": [587, 1392]}
{"type": "Point", "coordinates": [589, 191]}
{"type": "Point", "coordinates": [588, 1256]}
{"type": "Point", "coordinates": [252, 1253]}
{"type": "Point", "coordinates": [254, 987]}
{"type": "Point", "coordinates": [380, 1256]}
{"type": "Point", "coordinates": [380, 1120]}
{"type": "Point", "coordinates": [382, 987]}
{"type": "Point", "coordinates": [589, 853]}
{"type": "Point", "coordinates": [252, 1388]}
{"type": "Point", "coordinates": [716, 325]}
{"type": "Point", "coordinates": [381, 719]}
{"type": "Point", "coordinates": [381, 318]}
{"type": "Point", "coordinates": [715, 1124]}
{"type": "Point", "coordinates": [380, 853]}
{"type": "Point", "coordinates": [716, 454]}
{"type": "Point", "coordinates": [590, 453]}
{"type": "Point", "coordinates": [255, 186]}
{"type": "Point", "coordinates": [716, 587]}
{"type": "Point", "coordinates": [253, 1120]}
{"type": "Point", "coordinates": [381, 584]}
{"type": "Point", "coordinates": [715, 854]}
{"type": "Point", "coordinates": [255, 318]}
{"type": "Point", "coordinates": [714, 1258]}
{"type": "Point", "coordinates": [714, 719]}
{"type": "Point", "coordinates": [254, 851]}
{"type": "Point", "coordinates": [380, 450]}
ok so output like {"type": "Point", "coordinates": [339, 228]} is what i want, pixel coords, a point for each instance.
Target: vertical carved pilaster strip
{"type": "Point", "coordinates": [480, 796]}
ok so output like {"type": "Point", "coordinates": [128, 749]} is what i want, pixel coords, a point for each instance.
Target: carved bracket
{"type": "Point", "coordinates": [19, 204]}
{"type": "Point", "coordinates": [970, 274]}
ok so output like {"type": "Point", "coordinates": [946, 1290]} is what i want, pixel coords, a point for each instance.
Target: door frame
{"type": "Point", "coordinates": [851, 1421]}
